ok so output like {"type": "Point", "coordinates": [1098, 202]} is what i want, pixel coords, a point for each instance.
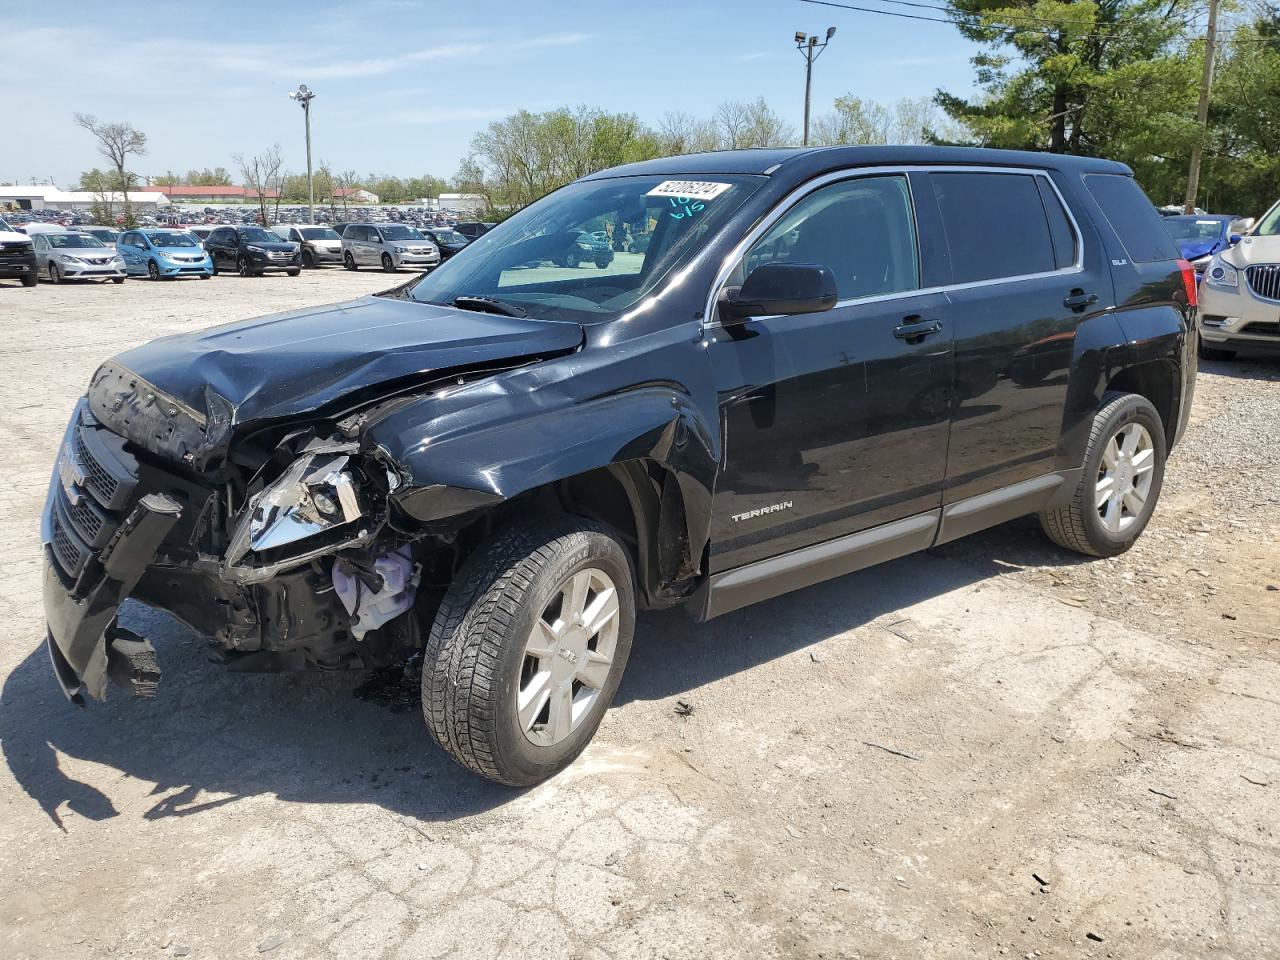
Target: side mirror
{"type": "Point", "coordinates": [1233, 239]}
{"type": "Point", "coordinates": [782, 289]}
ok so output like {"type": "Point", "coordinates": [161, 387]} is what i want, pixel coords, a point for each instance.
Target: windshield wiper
{"type": "Point", "coordinates": [490, 305]}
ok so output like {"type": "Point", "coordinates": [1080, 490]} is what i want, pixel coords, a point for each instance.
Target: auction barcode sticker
{"type": "Point", "coordinates": [689, 189]}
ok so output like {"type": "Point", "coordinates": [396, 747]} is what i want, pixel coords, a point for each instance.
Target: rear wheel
{"type": "Point", "coordinates": [528, 648]}
{"type": "Point", "coordinates": [349, 261]}
{"type": "Point", "coordinates": [1120, 483]}
{"type": "Point", "coordinates": [388, 264]}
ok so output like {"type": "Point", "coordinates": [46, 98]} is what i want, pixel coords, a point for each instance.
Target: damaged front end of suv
{"type": "Point", "coordinates": [261, 516]}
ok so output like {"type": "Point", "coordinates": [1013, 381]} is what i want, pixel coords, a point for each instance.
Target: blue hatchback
{"type": "Point", "coordinates": [158, 253]}
{"type": "Point", "coordinates": [1200, 236]}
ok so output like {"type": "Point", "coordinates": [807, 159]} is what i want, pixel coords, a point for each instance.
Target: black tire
{"type": "Point", "coordinates": [601, 262]}
{"type": "Point", "coordinates": [571, 259]}
{"type": "Point", "coordinates": [205, 276]}
{"type": "Point", "coordinates": [152, 270]}
{"type": "Point", "coordinates": [54, 275]}
{"type": "Point", "coordinates": [308, 259]}
{"type": "Point", "coordinates": [117, 279]}
{"type": "Point", "coordinates": [242, 266]}
{"type": "Point", "coordinates": [349, 261]}
{"type": "Point", "coordinates": [294, 272]}
{"type": "Point", "coordinates": [388, 265]}
{"type": "Point", "coordinates": [213, 267]}
{"type": "Point", "coordinates": [1215, 353]}
{"type": "Point", "coordinates": [1078, 526]}
{"type": "Point", "coordinates": [475, 653]}
{"type": "Point", "coordinates": [30, 280]}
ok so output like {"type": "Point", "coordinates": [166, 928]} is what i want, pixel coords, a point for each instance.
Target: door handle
{"type": "Point", "coordinates": [1078, 299]}
{"type": "Point", "coordinates": [913, 329]}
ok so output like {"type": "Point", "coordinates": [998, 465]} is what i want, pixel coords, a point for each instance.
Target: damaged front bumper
{"type": "Point", "coordinates": [115, 526]}
{"type": "Point", "coordinates": [94, 556]}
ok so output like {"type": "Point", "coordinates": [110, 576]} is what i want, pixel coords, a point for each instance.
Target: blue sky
{"type": "Point", "coordinates": [402, 85]}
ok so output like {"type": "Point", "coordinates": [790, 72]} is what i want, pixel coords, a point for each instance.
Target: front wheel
{"type": "Point", "coordinates": [388, 264]}
{"type": "Point", "coordinates": [117, 279]}
{"type": "Point", "coordinates": [242, 267]}
{"type": "Point", "coordinates": [1120, 483]}
{"type": "Point", "coordinates": [152, 270]}
{"type": "Point", "coordinates": [308, 259]}
{"type": "Point", "coordinates": [571, 259]}
{"type": "Point", "coordinates": [528, 648]}
{"type": "Point", "coordinates": [349, 261]}
{"type": "Point", "coordinates": [30, 280]}
{"type": "Point", "coordinates": [294, 272]}
{"type": "Point", "coordinates": [55, 276]}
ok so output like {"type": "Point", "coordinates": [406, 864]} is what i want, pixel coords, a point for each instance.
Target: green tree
{"type": "Point", "coordinates": [117, 142]}
{"type": "Point", "coordinates": [1086, 77]}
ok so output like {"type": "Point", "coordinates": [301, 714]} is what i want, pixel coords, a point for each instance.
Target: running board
{"type": "Point", "coordinates": [742, 586]}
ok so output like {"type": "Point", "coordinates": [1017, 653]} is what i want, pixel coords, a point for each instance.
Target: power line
{"type": "Point", "coordinates": [976, 19]}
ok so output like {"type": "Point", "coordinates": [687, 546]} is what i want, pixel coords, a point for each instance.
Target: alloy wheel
{"type": "Point", "coordinates": [568, 657]}
{"type": "Point", "coordinates": [1124, 477]}
{"type": "Point", "coordinates": [242, 267]}
{"type": "Point", "coordinates": [55, 276]}
{"type": "Point", "coordinates": [153, 271]}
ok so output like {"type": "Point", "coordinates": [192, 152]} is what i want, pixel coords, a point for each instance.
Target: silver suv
{"type": "Point", "coordinates": [392, 246]}
{"type": "Point", "coordinates": [319, 244]}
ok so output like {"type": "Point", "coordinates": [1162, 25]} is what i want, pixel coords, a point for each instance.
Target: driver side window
{"type": "Point", "coordinates": [862, 230]}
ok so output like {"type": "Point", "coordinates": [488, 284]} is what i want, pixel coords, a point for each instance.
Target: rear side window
{"type": "Point", "coordinates": [995, 224]}
{"type": "Point", "coordinates": [1133, 218]}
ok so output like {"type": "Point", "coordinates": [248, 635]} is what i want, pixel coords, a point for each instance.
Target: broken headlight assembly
{"type": "Point", "coordinates": [314, 508]}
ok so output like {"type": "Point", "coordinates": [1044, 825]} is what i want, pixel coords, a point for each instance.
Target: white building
{"type": "Point", "coordinates": [471, 204]}
{"type": "Point", "coordinates": [33, 197]}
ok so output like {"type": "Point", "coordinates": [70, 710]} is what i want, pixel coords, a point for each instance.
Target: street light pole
{"type": "Point", "coordinates": [810, 49]}
{"type": "Point", "coordinates": [304, 96]}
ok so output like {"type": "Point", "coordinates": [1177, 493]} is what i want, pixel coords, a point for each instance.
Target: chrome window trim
{"type": "Point", "coordinates": [710, 319]}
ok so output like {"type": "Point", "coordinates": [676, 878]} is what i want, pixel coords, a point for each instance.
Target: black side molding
{"type": "Point", "coordinates": [964, 517]}
{"type": "Point", "coordinates": [742, 586]}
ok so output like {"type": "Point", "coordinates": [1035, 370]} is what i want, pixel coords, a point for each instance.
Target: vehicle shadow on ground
{"type": "Point", "coordinates": [1245, 366]}
{"type": "Point", "coordinates": [212, 737]}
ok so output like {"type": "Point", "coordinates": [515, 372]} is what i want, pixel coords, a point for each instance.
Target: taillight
{"type": "Point", "coordinates": [1189, 283]}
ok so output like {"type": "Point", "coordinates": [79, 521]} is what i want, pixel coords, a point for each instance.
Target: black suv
{"type": "Point", "coordinates": [252, 251]}
{"type": "Point", "coordinates": [473, 229]}
{"type": "Point", "coordinates": [17, 256]}
{"type": "Point", "coordinates": [824, 359]}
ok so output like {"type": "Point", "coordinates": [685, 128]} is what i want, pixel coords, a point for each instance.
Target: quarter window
{"type": "Point", "coordinates": [862, 230]}
{"type": "Point", "coordinates": [996, 225]}
{"type": "Point", "coordinates": [1133, 217]}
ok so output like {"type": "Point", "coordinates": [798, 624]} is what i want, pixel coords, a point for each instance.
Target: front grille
{"type": "Point", "coordinates": [1264, 280]}
{"type": "Point", "coordinates": [15, 251]}
{"type": "Point", "coordinates": [96, 479]}
{"type": "Point", "coordinates": [1263, 327]}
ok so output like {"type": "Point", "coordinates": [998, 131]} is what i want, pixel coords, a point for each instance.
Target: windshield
{"type": "Point", "coordinates": [400, 233]}
{"type": "Point", "coordinates": [172, 240]}
{"type": "Point", "coordinates": [63, 240]}
{"type": "Point", "coordinates": [106, 236]}
{"type": "Point", "coordinates": [258, 235]}
{"type": "Point", "coordinates": [319, 233]}
{"type": "Point", "coordinates": [1269, 225]}
{"type": "Point", "coordinates": [538, 259]}
{"type": "Point", "coordinates": [1192, 228]}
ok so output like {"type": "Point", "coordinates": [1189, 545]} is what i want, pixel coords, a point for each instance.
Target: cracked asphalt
{"type": "Point", "coordinates": [992, 749]}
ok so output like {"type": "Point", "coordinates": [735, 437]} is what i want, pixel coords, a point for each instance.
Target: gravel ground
{"type": "Point", "coordinates": [992, 749]}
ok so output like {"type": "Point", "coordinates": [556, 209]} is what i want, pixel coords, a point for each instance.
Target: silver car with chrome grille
{"type": "Point", "coordinates": [76, 256]}
{"type": "Point", "coordinates": [391, 246]}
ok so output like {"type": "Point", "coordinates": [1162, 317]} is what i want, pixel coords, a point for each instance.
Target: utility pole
{"type": "Point", "coordinates": [1202, 109]}
{"type": "Point", "coordinates": [811, 49]}
{"type": "Point", "coordinates": [304, 96]}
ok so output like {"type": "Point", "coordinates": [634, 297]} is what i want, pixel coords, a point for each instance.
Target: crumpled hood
{"type": "Point", "coordinates": [1195, 249]}
{"type": "Point", "coordinates": [294, 363]}
{"type": "Point", "coordinates": [1251, 250]}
